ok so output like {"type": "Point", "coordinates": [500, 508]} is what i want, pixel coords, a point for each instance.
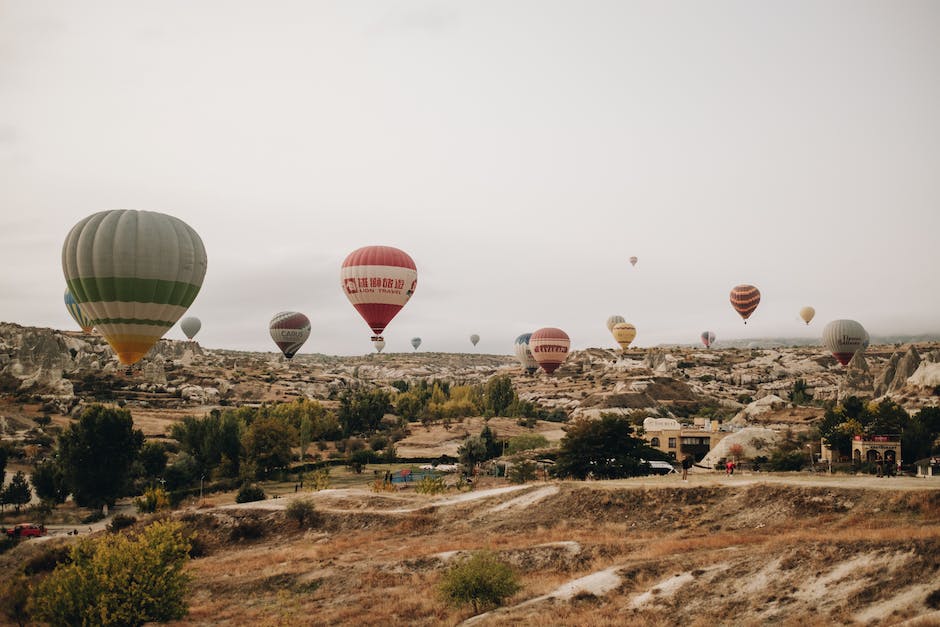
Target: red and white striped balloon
{"type": "Point", "coordinates": [549, 347]}
{"type": "Point", "coordinates": [378, 281]}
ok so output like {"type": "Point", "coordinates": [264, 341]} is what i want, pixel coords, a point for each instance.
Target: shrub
{"type": "Point", "coordinates": [121, 521]}
{"type": "Point", "coordinates": [117, 581]}
{"type": "Point", "coordinates": [247, 529]}
{"type": "Point", "coordinates": [93, 517]}
{"type": "Point", "coordinates": [302, 511]}
{"type": "Point", "coordinates": [250, 493]}
{"type": "Point", "coordinates": [153, 499]}
{"type": "Point", "coordinates": [431, 485]}
{"type": "Point", "coordinates": [522, 471]}
{"type": "Point", "coordinates": [481, 580]}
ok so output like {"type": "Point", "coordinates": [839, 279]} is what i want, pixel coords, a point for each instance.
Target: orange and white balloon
{"type": "Point", "coordinates": [624, 333]}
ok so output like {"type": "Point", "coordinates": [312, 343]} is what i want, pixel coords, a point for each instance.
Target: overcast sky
{"type": "Point", "coordinates": [519, 151]}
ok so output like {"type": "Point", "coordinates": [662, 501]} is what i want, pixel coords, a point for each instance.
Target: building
{"type": "Point", "coordinates": [668, 436]}
{"type": "Point", "coordinates": [869, 448]}
{"type": "Point", "coordinates": [929, 467]}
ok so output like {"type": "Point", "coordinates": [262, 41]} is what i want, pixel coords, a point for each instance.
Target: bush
{"type": "Point", "coordinates": [302, 511]}
{"type": "Point", "coordinates": [784, 461]}
{"type": "Point", "coordinates": [522, 471]}
{"type": "Point", "coordinates": [481, 580]}
{"type": "Point", "coordinates": [93, 517]}
{"type": "Point", "coordinates": [526, 442]}
{"type": "Point", "coordinates": [121, 521]}
{"type": "Point", "coordinates": [247, 529]}
{"type": "Point", "coordinates": [153, 499]}
{"type": "Point", "coordinates": [250, 493]}
{"type": "Point", "coordinates": [431, 485]}
{"type": "Point", "coordinates": [117, 581]}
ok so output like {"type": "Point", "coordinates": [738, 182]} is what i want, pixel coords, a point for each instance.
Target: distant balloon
{"type": "Point", "coordinates": [633, 261]}
{"type": "Point", "coordinates": [474, 339]}
{"type": "Point", "coordinates": [707, 338]}
{"type": "Point", "coordinates": [612, 321]}
{"type": "Point", "coordinates": [190, 326]}
{"type": "Point", "coordinates": [524, 353]}
{"type": "Point", "coordinates": [76, 312]}
{"type": "Point", "coordinates": [379, 343]}
{"type": "Point", "coordinates": [549, 348]}
{"type": "Point", "coordinates": [807, 313]}
{"type": "Point", "coordinates": [844, 338]}
{"type": "Point", "coordinates": [744, 299]}
{"type": "Point", "coordinates": [378, 281]}
{"type": "Point", "coordinates": [415, 342]}
{"type": "Point", "coordinates": [134, 274]}
{"type": "Point", "coordinates": [289, 330]}
{"type": "Point", "coordinates": [624, 333]}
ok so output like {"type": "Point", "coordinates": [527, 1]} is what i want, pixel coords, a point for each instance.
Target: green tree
{"type": "Point", "coordinates": [267, 444]}
{"type": "Point", "coordinates": [153, 459]}
{"type": "Point", "coordinates": [522, 471]}
{"type": "Point", "coordinates": [480, 580]}
{"type": "Point", "coordinates": [361, 412]}
{"type": "Point", "coordinates": [917, 441]}
{"type": "Point", "coordinates": [604, 448]}
{"type": "Point", "coordinates": [887, 418]}
{"type": "Point", "coordinates": [49, 482]}
{"type": "Point", "coordinates": [17, 492]}
{"type": "Point", "coordinates": [498, 395]}
{"type": "Point", "coordinates": [118, 581]}
{"type": "Point", "coordinates": [799, 394]}
{"type": "Point", "coordinates": [412, 406]}
{"type": "Point", "coordinates": [472, 452]}
{"type": "Point", "coordinates": [96, 454]}
{"type": "Point", "coordinates": [302, 511]}
{"type": "Point", "coordinates": [14, 598]}
{"type": "Point", "coordinates": [305, 434]}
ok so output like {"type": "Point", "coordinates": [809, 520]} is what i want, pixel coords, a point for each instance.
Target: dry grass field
{"type": "Point", "coordinates": [749, 551]}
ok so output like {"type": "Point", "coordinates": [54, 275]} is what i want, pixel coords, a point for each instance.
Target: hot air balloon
{"type": "Point", "coordinates": [633, 261]}
{"type": "Point", "coordinates": [624, 332]}
{"type": "Point", "coordinates": [416, 342]}
{"type": "Point", "coordinates": [744, 299]}
{"type": "Point", "coordinates": [612, 321]}
{"type": "Point", "coordinates": [807, 313]}
{"type": "Point", "coordinates": [134, 274]}
{"type": "Point", "coordinates": [379, 343]}
{"type": "Point", "coordinates": [844, 338]}
{"type": "Point", "coordinates": [190, 326]}
{"type": "Point", "coordinates": [378, 281]}
{"type": "Point", "coordinates": [549, 347]}
{"type": "Point", "coordinates": [524, 353]}
{"type": "Point", "coordinates": [867, 341]}
{"type": "Point", "coordinates": [474, 339]}
{"type": "Point", "coordinates": [76, 312]}
{"type": "Point", "coordinates": [289, 330]}
{"type": "Point", "coordinates": [707, 338]}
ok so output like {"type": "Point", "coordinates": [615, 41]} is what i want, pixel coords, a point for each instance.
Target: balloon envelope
{"type": "Point", "coordinates": [611, 321]}
{"type": "Point", "coordinates": [844, 338]}
{"type": "Point", "coordinates": [633, 261]}
{"type": "Point", "coordinates": [474, 339]}
{"type": "Point", "coordinates": [624, 333]}
{"type": "Point", "coordinates": [707, 338]}
{"type": "Point", "coordinates": [524, 353]}
{"type": "Point", "coordinates": [550, 348]}
{"type": "Point", "coordinates": [134, 274]}
{"type": "Point", "coordinates": [807, 313]}
{"type": "Point", "coordinates": [289, 330]}
{"type": "Point", "coordinates": [76, 312]}
{"type": "Point", "coordinates": [378, 343]}
{"type": "Point", "coordinates": [744, 299]}
{"type": "Point", "coordinates": [416, 342]}
{"type": "Point", "coordinates": [190, 326]}
{"type": "Point", "coordinates": [378, 281]}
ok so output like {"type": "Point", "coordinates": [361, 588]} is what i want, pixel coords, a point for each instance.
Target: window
{"type": "Point", "coordinates": [672, 443]}
{"type": "Point", "coordinates": [654, 442]}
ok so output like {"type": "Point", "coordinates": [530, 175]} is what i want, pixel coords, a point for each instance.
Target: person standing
{"type": "Point", "coordinates": [686, 464]}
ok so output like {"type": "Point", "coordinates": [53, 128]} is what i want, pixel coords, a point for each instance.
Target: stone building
{"type": "Point", "coordinates": [668, 436]}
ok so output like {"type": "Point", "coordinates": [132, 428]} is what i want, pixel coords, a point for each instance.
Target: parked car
{"type": "Point", "coordinates": [26, 530]}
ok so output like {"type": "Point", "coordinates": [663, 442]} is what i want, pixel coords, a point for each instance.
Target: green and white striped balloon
{"type": "Point", "coordinates": [134, 273]}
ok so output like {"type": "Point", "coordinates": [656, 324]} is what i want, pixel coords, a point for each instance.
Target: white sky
{"type": "Point", "coordinates": [519, 151]}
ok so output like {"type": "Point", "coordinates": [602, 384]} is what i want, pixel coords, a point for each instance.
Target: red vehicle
{"type": "Point", "coordinates": [26, 530]}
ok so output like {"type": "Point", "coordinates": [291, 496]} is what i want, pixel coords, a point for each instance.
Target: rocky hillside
{"type": "Point", "coordinates": [61, 370]}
